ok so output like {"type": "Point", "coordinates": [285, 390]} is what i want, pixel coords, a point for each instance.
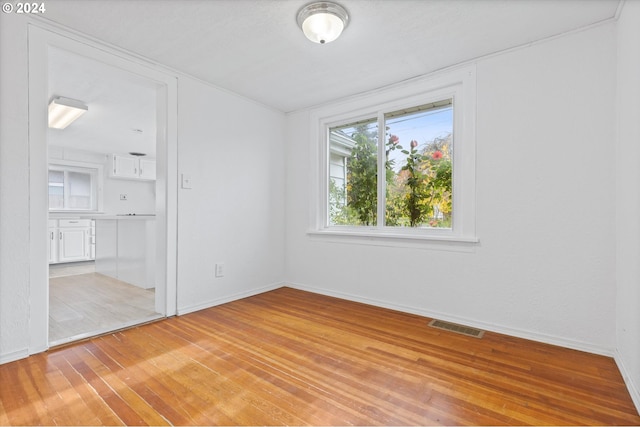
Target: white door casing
{"type": "Point", "coordinates": [42, 37]}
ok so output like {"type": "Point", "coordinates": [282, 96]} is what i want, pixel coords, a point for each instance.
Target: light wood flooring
{"type": "Point", "coordinates": [289, 357]}
{"type": "Point", "coordinates": [71, 268]}
{"type": "Point", "coordinates": [82, 305]}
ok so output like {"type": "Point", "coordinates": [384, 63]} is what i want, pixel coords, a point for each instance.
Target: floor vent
{"type": "Point", "coordinates": [459, 329]}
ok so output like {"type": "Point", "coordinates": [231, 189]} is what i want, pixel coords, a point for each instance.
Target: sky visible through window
{"type": "Point", "coordinates": [423, 127]}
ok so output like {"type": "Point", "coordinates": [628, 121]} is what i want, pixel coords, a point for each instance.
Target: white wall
{"type": "Point", "coordinates": [544, 267]}
{"type": "Point", "coordinates": [140, 196]}
{"type": "Point", "coordinates": [233, 150]}
{"type": "Point", "coordinates": [628, 199]}
{"type": "Point", "coordinates": [14, 189]}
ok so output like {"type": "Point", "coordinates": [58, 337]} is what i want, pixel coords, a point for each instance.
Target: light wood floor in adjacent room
{"type": "Point", "coordinates": [88, 304]}
{"type": "Point", "coordinates": [289, 357]}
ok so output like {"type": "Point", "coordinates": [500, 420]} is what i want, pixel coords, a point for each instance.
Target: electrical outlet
{"type": "Point", "coordinates": [123, 197]}
{"type": "Point", "coordinates": [186, 181]}
{"type": "Point", "coordinates": [219, 270]}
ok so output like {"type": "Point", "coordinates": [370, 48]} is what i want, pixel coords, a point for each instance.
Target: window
{"type": "Point", "coordinates": [74, 188]}
{"type": "Point", "coordinates": [417, 166]}
{"type": "Point", "coordinates": [394, 166]}
{"type": "Point", "coordinates": [353, 170]}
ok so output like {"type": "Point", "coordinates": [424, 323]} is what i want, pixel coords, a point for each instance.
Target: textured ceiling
{"type": "Point", "coordinates": [254, 47]}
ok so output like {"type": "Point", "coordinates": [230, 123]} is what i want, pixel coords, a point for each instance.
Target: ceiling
{"type": "Point", "coordinates": [122, 106]}
{"type": "Point", "coordinates": [254, 47]}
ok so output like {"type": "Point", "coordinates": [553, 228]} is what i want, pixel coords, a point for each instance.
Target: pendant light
{"type": "Point", "coordinates": [323, 21]}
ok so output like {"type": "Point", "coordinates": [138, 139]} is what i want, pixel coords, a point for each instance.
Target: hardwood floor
{"type": "Point", "coordinates": [82, 305]}
{"type": "Point", "coordinates": [289, 357]}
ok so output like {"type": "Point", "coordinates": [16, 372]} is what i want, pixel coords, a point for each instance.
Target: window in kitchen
{"type": "Point", "coordinates": [401, 168]}
{"type": "Point", "coordinates": [74, 188]}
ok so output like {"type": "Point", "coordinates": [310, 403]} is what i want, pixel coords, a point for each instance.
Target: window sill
{"type": "Point", "coordinates": [379, 238]}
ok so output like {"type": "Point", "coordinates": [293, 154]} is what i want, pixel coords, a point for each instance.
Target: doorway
{"type": "Point", "coordinates": [101, 219]}
{"type": "Point", "coordinates": [95, 280]}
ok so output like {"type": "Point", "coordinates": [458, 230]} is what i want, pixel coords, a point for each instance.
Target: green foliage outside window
{"type": "Point", "coordinates": [362, 177]}
{"type": "Point", "coordinates": [418, 193]}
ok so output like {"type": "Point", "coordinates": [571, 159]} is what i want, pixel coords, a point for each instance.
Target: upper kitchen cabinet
{"type": "Point", "coordinates": [147, 169]}
{"type": "Point", "coordinates": [130, 167]}
{"type": "Point", "coordinates": [125, 167]}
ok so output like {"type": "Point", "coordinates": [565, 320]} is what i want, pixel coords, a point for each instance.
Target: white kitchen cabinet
{"type": "Point", "coordinates": [125, 167]}
{"type": "Point", "coordinates": [147, 169]}
{"type": "Point", "coordinates": [73, 245]}
{"type": "Point", "coordinates": [52, 237]}
{"type": "Point", "coordinates": [70, 240]}
{"type": "Point", "coordinates": [107, 247]}
{"type": "Point", "coordinates": [92, 241]}
{"type": "Point", "coordinates": [130, 167]}
{"type": "Point", "coordinates": [126, 249]}
{"type": "Point", "coordinates": [136, 252]}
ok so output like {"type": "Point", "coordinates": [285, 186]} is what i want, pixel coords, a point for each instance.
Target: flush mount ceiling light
{"type": "Point", "coordinates": [323, 21]}
{"type": "Point", "coordinates": [63, 111]}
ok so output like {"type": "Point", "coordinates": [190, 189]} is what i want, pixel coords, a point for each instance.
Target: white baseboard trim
{"type": "Point", "coordinates": [529, 335]}
{"type": "Point", "coordinates": [13, 356]}
{"type": "Point", "coordinates": [218, 301]}
{"type": "Point", "coordinates": [634, 389]}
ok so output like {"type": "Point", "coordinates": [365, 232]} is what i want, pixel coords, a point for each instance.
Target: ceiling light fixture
{"type": "Point", "coordinates": [63, 111]}
{"type": "Point", "coordinates": [323, 21]}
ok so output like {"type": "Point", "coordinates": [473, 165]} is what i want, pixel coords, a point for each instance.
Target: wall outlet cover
{"type": "Point", "coordinates": [186, 181]}
{"type": "Point", "coordinates": [220, 270]}
{"type": "Point", "coordinates": [123, 197]}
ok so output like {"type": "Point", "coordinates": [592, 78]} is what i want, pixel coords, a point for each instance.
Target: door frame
{"type": "Point", "coordinates": [42, 37]}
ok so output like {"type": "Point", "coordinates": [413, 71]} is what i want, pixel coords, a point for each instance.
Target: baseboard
{"type": "Point", "coordinates": [13, 356]}
{"type": "Point", "coordinates": [633, 388]}
{"type": "Point", "coordinates": [212, 303]}
{"type": "Point", "coordinates": [529, 335]}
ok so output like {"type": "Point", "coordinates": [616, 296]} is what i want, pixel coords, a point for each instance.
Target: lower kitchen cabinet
{"type": "Point", "coordinates": [127, 249]}
{"type": "Point", "coordinates": [73, 244]}
{"type": "Point", "coordinates": [70, 240]}
{"type": "Point", "coordinates": [53, 241]}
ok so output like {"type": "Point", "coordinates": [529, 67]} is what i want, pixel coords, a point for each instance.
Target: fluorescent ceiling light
{"type": "Point", "coordinates": [63, 111]}
{"type": "Point", "coordinates": [323, 21]}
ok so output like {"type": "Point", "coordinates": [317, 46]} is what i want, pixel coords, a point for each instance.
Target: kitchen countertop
{"type": "Point", "coordinates": [137, 217]}
{"type": "Point", "coordinates": [125, 217]}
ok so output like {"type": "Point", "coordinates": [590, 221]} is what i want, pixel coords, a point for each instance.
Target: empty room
{"type": "Point", "coordinates": [287, 212]}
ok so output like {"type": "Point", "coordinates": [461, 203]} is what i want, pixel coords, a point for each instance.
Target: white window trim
{"type": "Point", "coordinates": [459, 83]}
{"type": "Point", "coordinates": [71, 165]}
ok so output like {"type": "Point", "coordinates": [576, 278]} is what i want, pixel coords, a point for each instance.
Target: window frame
{"type": "Point", "coordinates": [458, 84]}
{"type": "Point", "coordinates": [95, 170]}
